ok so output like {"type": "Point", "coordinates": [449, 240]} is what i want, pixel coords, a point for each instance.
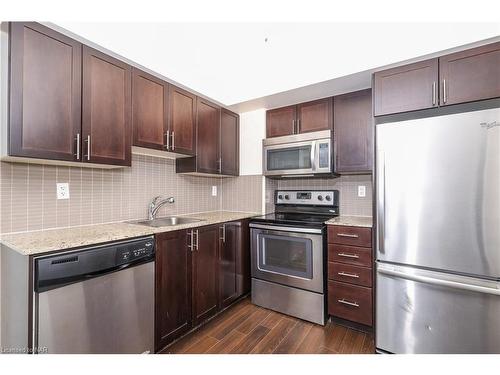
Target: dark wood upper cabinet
{"type": "Point", "coordinates": [106, 109]}
{"type": "Point", "coordinates": [353, 135]}
{"type": "Point", "coordinates": [182, 121]}
{"type": "Point", "coordinates": [173, 287]}
{"type": "Point", "coordinates": [281, 121]}
{"type": "Point", "coordinates": [229, 143]}
{"type": "Point", "coordinates": [208, 137]}
{"type": "Point", "coordinates": [314, 116]}
{"type": "Point", "coordinates": [234, 261]}
{"type": "Point", "coordinates": [470, 75]}
{"type": "Point", "coordinates": [45, 93]}
{"type": "Point", "coordinates": [149, 111]}
{"type": "Point", "coordinates": [205, 273]}
{"type": "Point", "coordinates": [406, 88]}
{"type": "Point", "coordinates": [302, 118]}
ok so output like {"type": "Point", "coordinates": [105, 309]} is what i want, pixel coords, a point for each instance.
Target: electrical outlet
{"type": "Point", "coordinates": [214, 191]}
{"type": "Point", "coordinates": [62, 190]}
{"type": "Point", "coordinates": [361, 191]}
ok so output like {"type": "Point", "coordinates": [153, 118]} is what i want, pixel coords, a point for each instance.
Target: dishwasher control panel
{"type": "Point", "coordinates": [131, 252]}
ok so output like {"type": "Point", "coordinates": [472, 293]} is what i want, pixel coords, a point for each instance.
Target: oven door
{"type": "Point", "coordinates": [288, 256]}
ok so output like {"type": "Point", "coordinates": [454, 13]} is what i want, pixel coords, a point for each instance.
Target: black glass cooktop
{"type": "Point", "coordinates": [294, 219]}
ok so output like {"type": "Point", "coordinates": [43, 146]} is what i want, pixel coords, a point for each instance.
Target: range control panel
{"type": "Point", "coordinates": [303, 197]}
{"type": "Point", "coordinates": [129, 253]}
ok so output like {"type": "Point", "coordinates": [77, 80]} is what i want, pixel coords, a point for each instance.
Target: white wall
{"type": "Point", "coordinates": [252, 131]}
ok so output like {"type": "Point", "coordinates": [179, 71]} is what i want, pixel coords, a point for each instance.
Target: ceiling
{"type": "Point", "coordinates": [240, 62]}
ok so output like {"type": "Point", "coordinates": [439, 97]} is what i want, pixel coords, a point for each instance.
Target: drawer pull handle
{"type": "Point", "coordinates": [354, 304]}
{"type": "Point", "coordinates": [347, 235]}
{"type": "Point", "coordinates": [348, 255]}
{"type": "Point", "coordinates": [353, 275]}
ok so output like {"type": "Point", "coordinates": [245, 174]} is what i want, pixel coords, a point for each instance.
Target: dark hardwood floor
{"type": "Point", "coordinates": [248, 329]}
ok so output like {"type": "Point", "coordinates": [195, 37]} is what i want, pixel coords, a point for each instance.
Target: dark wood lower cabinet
{"type": "Point", "coordinates": [234, 262]}
{"type": "Point", "coordinates": [173, 287]}
{"type": "Point", "coordinates": [205, 273]}
{"type": "Point", "coordinates": [194, 285]}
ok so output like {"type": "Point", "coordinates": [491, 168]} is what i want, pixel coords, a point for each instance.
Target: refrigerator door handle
{"type": "Point", "coordinates": [449, 283]}
{"type": "Point", "coordinates": [381, 201]}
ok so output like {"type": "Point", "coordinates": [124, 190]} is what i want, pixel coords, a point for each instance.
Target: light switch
{"type": "Point", "coordinates": [214, 191]}
{"type": "Point", "coordinates": [62, 190]}
{"type": "Point", "coordinates": [361, 191]}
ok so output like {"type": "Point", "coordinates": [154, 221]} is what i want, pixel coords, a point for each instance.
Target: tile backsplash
{"type": "Point", "coordinates": [28, 194]}
{"type": "Point", "coordinates": [350, 203]}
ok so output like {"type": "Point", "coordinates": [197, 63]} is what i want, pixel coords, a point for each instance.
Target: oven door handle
{"type": "Point", "coordinates": [287, 229]}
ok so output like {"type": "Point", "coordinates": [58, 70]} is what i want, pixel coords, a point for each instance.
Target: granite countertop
{"type": "Point", "coordinates": [39, 242]}
{"type": "Point", "coordinates": [352, 221]}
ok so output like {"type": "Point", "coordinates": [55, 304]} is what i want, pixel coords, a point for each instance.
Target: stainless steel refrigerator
{"type": "Point", "coordinates": [438, 234]}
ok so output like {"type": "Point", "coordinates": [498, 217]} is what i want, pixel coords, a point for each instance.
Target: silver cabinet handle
{"type": "Point", "coordinates": [347, 235]}
{"type": "Point", "coordinates": [354, 256]}
{"type": "Point", "coordinates": [223, 230]}
{"type": "Point", "coordinates": [353, 275]}
{"type": "Point", "coordinates": [293, 125]}
{"type": "Point", "coordinates": [354, 304]}
{"type": "Point", "coordinates": [167, 139]}
{"type": "Point", "coordinates": [173, 140]}
{"type": "Point", "coordinates": [77, 146]}
{"type": "Point", "coordinates": [444, 91]}
{"type": "Point", "coordinates": [88, 147]}
{"type": "Point", "coordinates": [191, 246]}
{"type": "Point", "coordinates": [298, 126]}
{"type": "Point", "coordinates": [434, 93]}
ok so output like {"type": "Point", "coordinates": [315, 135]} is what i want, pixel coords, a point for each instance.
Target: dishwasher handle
{"type": "Point", "coordinates": [49, 284]}
{"type": "Point", "coordinates": [54, 271]}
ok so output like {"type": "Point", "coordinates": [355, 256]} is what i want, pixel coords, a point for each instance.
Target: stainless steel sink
{"type": "Point", "coordinates": [167, 221]}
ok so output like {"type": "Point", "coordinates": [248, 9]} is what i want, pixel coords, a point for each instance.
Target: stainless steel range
{"type": "Point", "coordinates": [288, 253]}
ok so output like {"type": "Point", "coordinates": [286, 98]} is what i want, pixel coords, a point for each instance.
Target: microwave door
{"type": "Point", "coordinates": [296, 158]}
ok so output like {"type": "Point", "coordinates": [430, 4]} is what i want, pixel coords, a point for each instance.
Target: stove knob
{"type": "Point", "coordinates": [287, 197]}
{"type": "Point", "coordinates": [320, 198]}
{"type": "Point", "coordinates": [280, 197]}
{"type": "Point", "coordinates": [328, 198]}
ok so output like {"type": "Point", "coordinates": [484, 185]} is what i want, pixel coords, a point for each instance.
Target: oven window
{"type": "Point", "coordinates": [286, 255]}
{"type": "Point", "coordinates": [289, 158]}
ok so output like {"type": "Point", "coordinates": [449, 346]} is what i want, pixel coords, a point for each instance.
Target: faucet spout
{"type": "Point", "coordinates": [156, 204]}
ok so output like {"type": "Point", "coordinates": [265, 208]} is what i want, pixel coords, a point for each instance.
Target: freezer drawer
{"type": "Point", "coordinates": [420, 311]}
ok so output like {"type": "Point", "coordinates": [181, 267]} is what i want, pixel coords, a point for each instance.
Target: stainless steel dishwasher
{"type": "Point", "coordinates": [96, 300]}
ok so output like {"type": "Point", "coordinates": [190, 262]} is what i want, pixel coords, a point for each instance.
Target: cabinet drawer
{"type": "Point", "coordinates": [355, 236]}
{"type": "Point", "coordinates": [350, 274]}
{"type": "Point", "coordinates": [358, 256]}
{"type": "Point", "coordinates": [350, 302]}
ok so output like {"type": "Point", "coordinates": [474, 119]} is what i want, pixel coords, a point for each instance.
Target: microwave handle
{"type": "Point", "coordinates": [314, 155]}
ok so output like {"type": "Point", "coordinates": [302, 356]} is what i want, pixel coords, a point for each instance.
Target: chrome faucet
{"type": "Point", "coordinates": [155, 205]}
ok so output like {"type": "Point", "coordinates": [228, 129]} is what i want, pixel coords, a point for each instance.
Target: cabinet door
{"type": "Point", "coordinates": [182, 121]}
{"type": "Point", "coordinates": [230, 244]}
{"type": "Point", "coordinates": [314, 116]}
{"type": "Point", "coordinates": [205, 273]}
{"type": "Point", "coordinates": [281, 121]}
{"type": "Point", "coordinates": [230, 142]}
{"type": "Point", "coordinates": [45, 93]}
{"type": "Point", "coordinates": [406, 88]}
{"type": "Point", "coordinates": [208, 136]}
{"type": "Point", "coordinates": [353, 137]}
{"type": "Point", "coordinates": [106, 113]}
{"type": "Point", "coordinates": [149, 110]}
{"type": "Point", "coordinates": [173, 287]}
{"type": "Point", "coordinates": [234, 261]}
{"type": "Point", "coordinates": [470, 75]}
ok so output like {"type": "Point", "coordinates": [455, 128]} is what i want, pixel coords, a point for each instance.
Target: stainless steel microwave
{"type": "Point", "coordinates": [300, 155]}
